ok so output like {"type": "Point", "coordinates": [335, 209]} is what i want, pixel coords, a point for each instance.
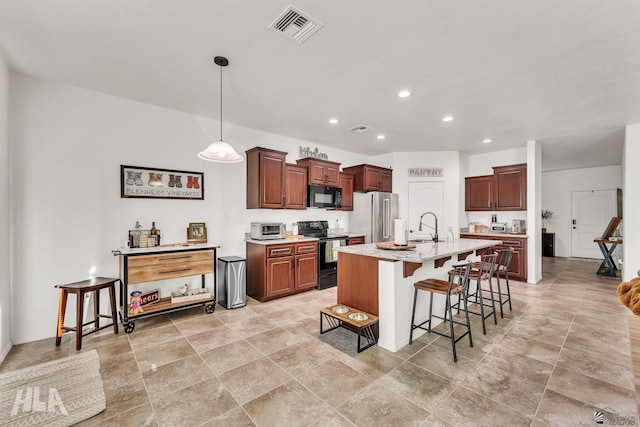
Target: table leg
{"type": "Point", "coordinates": [62, 307]}
{"type": "Point", "coordinates": [608, 266]}
{"type": "Point", "coordinates": [79, 318]}
{"type": "Point", "coordinates": [112, 298]}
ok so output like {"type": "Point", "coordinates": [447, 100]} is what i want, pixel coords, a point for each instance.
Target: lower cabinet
{"type": "Point", "coordinates": [281, 269]}
{"type": "Point", "coordinates": [518, 266]}
{"type": "Point", "coordinates": [358, 240]}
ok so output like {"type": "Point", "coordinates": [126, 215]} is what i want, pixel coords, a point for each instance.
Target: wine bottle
{"type": "Point", "coordinates": [154, 233]}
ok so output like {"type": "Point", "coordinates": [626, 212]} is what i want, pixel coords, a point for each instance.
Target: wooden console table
{"type": "Point", "coordinates": [161, 263]}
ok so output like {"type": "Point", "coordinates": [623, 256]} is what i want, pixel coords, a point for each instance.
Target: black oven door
{"type": "Point", "coordinates": [328, 261]}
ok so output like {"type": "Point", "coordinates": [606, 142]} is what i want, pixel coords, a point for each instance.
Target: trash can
{"type": "Point", "coordinates": [232, 282]}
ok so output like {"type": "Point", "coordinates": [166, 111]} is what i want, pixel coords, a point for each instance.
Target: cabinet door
{"type": "Point", "coordinates": [510, 187]}
{"type": "Point", "coordinates": [317, 174]}
{"type": "Point", "coordinates": [280, 276]}
{"type": "Point", "coordinates": [272, 167]}
{"type": "Point", "coordinates": [332, 174]}
{"type": "Point", "coordinates": [306, 271]}
{"type": "Point", "coordinates": [478, 191]}
{"type": "Point", "coordinates": [295, 187]}
{"type": "Point", "coordinates": [372, 179]}
{"type": "Point", "coordinates": [346, 184]}
{"type": "Point", "coordinates": [385, 180]}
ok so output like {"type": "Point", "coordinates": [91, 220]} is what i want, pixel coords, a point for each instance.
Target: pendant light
{"type": "Point", "coordinates": [220, 151]}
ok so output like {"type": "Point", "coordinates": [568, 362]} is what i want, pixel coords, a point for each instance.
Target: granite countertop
{"type": "Point", "coordinates": [165, 248]}
{"type": "Point", "coordinates": [281, 241]}
{"type": "Point", "coordinates": [505, 235]}
{"type": "Point", "coordinates": [422, 251]}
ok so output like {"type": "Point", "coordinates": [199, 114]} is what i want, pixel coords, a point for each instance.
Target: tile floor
{"type": "Point", "coordinates": [562, 354]}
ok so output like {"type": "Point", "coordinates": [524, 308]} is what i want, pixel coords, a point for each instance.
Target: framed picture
{"type": "Point", "coordinates": [197, 232]}
{"type": "Point", "coordinates": [148, 183]}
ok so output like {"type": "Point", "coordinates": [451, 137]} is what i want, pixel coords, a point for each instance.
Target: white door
{"type": "Point", "coordinates": [426, 197]}
{"type": "Point", "coordinates": [591, 212]}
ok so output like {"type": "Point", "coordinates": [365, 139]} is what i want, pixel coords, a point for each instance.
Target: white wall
{"type": "Point", "coordinates": [5, 229]}
{"type": "Point", "coordinates": [631, 203]}
{"type": "Point", "coordinates": [67, 212]}
{"type": "Point", "coordinates": [448, 160]}
{"type": "Point", "coordinates": [557, 187]}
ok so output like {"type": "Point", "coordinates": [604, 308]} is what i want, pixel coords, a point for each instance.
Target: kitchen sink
{"type": "Point", "coordinates": [421, 241]}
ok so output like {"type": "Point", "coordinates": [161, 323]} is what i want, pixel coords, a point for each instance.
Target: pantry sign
{"type": "Point", "coordinates": [425, 172]}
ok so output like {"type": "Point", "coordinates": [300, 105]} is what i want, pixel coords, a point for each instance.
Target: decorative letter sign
{"type": "Point", "coordinates": [428, 172]}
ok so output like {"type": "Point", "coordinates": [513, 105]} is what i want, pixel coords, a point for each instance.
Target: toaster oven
{"type": "Point", "coordinates": [268, 230]}
{"type": "Point", "coordinates": [498, 227]}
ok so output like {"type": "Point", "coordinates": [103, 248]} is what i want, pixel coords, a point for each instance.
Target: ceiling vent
{"type": "Point", "coordinates": [295, 25]}
{"type": "Point", "coordinates": [360, 129]}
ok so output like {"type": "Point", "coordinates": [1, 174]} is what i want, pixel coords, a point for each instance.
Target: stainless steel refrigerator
{"type": "Point", "coordinates": [373, 214]}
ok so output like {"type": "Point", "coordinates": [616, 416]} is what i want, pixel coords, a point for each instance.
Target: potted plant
{"type": "Point", "coordinates": [546, 214]}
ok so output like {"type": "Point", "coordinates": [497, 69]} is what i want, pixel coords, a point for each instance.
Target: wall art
{"type": "Point", "coordinates": [143, 183]}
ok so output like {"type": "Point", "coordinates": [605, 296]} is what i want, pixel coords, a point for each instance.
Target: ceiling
{"type": "Point", "coordinates": [564, 73]}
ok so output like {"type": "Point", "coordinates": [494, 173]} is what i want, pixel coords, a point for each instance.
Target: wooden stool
{"type": "Point", "coordinates": [80, 289]}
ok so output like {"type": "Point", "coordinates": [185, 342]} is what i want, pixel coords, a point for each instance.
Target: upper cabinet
{"type": "Point", "coordinates": [321, 172]}
{"type": "Point", "coordinates": [370, 178]}
{"type": "Point", "coordinates": [265, 178]}
{"type": "Point", "coordinates": [295, 184]}
{"type": "Point", "coordinates": [505, 190]}
{"type": "Point", "coordinates": [346, 184]}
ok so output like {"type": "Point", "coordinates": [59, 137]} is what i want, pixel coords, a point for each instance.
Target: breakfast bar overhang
{"type": "Point", "coordinates": [380, 282]}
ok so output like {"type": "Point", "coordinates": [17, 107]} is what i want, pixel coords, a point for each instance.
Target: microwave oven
{"type": "Point", "coordinates": [319, 196]}
{"type": "Point", "coordinates": [268, 230]}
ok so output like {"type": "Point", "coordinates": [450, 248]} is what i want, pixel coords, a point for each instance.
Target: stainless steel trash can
{"type": "Point", "coordinates": [232, 282]}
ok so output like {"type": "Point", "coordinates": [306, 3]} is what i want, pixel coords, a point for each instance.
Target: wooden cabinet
{"type": "Point", "coordinates": [548, 244]}
{"type": "Point", "coordinates": [370, 178]}
{"type": "Point", "coordinates": [281, 269]}
{"type": "Point", "coordinates": [295, 184]}
{"type": "Point", "coordinates": [346, 184]}
{"type": "Point", "coordinates": [265, 178]}
{"type": "Point", "coordinates": [478, 193]}
{"type": "Point", "coordinates": [359, 240]}
{"type": "Point", "coordinates": [505, 190]}
{"type": "Point", "coordinates": [518, 266]}
{"type": "Point", "coordinates": [510, 188]}
{"type": "Point", "coordinates": [321, 172]}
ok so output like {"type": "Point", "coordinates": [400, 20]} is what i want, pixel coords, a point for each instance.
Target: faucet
{"type": "Point", "coordinates": [433, 236]}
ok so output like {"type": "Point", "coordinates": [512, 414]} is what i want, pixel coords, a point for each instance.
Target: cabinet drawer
{"type": "Point", "coordinates": [278, 251]}
{"type": "Point", "coordinates": [306, 248]}
{"type": "Point", "coordinates": [515, 243]}
{"type": "Point", "coordinates": [167, 266]}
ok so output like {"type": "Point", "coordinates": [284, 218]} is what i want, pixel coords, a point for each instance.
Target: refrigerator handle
{"type": "Point", "coordinates": [386, 218]}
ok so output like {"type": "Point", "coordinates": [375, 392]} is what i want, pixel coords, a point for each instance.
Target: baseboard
{"type": "Point", "coordinates": [6, 351]}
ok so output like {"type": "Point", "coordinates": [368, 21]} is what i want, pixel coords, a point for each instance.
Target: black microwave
{"type": "Point", "coordinates": [319, 196]}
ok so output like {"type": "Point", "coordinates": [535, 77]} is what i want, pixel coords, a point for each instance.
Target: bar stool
{"type": "Point", "coordinates": [482, 270]}
{"type": "Point", "coordinates": [80, 289]}
{"type": "Point", "coordinates": [457, 285]}
{"type": "Point", "coordinates": [502, 267]}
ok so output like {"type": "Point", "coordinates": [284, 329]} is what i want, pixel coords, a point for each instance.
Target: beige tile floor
{"type": "Point", "coordinates": [562, 354]}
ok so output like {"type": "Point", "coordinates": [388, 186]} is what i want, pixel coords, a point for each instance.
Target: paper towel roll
{"type": "Point", "coordinates": [400, 232]}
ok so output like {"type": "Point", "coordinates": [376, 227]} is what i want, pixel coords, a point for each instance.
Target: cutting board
{"type": "Point", "coordinates": [390, 246]}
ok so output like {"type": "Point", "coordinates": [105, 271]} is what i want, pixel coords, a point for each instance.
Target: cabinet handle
{"type": "Point", "coordinates": [174, 257]}
{"type": "Point", "coordinates": [174, 271]}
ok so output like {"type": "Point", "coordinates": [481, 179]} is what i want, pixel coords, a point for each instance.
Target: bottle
{"type": "Point", "coordinates": [154, 234]}
{"type": "Point", "coordinates": [450, 235]}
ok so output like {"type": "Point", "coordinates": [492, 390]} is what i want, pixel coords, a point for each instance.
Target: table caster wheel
{"type": "Point", "coordinates": [129, 327]}
{"type": "Point", "coordinates": [210, 308]}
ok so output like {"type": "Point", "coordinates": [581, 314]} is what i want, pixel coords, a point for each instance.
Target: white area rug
{"type": "Point", "coordinates": [59, 393]}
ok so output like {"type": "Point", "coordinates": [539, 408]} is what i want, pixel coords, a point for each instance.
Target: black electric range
{"type": "Point", "coordinates": [327, 254]}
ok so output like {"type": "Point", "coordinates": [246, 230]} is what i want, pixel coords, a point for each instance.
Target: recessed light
{"type": "Point", "coordinates": [380, 136]}
{"type": "Point", "coordinates": [486, 141]}
{"type": "Point", "coordinates": [447, 119]}
{"type": "Point", "coordinates": [404, 93]}
{"type": "Point", "coordinates": [333, 121]}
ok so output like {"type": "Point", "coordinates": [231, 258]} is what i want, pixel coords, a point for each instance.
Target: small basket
{"type": "Point", "coordinates": [143, 239]}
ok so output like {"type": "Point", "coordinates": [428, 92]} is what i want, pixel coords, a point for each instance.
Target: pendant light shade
{"type": "Point", "coordinates": [220, 151]}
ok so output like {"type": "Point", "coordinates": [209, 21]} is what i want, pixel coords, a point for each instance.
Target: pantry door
{"type": "Point", "coordinates": [591, 212]}
{"type": "Point", "coordinates": [426, 197]}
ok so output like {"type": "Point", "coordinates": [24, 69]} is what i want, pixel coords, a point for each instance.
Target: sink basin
{"type": "Point", "coordinates": [421, 241]}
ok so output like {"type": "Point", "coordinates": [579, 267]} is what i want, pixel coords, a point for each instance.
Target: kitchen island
{"type": "Point", "coordinates": [380, 282]}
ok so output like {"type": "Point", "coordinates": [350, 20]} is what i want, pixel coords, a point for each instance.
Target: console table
{"type": "Point", "coordinates": [161, 263]}
{"type": "Point", "coordinates": [608, 266]}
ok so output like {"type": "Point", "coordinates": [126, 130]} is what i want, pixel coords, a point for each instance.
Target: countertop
{"type": "Point", "coordinates": [505, 235]}
{"type": "Point", "coordinates": [165, 248]}
{"type": "Point", "coordinates": [281, 241]}
{"type": "Point", "coordinates": [422, 251]}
